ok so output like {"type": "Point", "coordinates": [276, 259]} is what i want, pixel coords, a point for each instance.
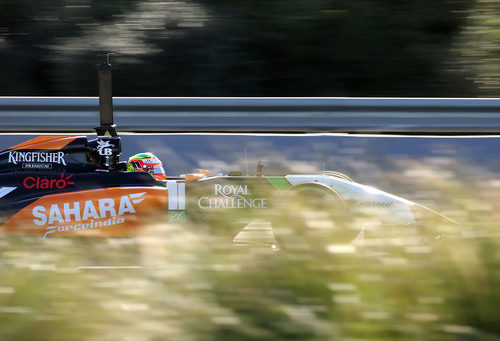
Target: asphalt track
{"type": "Point", "coordinates": [387, 162]}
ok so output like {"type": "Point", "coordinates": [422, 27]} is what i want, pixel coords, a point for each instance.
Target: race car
{"type": "Point", "coordinates": [75, 186]}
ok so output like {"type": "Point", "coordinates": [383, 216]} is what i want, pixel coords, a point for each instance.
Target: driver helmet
{"type": "Point", "coordinates": [147, 162]}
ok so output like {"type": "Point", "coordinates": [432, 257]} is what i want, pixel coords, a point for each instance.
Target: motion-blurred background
{"type": "Point", "coordinates": [424, 48]}
{"type": "Point", "coordinates": [191, 282]}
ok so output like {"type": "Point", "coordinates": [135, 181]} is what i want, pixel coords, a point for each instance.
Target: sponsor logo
{"type": "Point", "coordinates": [231, 196]}
{"type": "Point", "coordinates": [104, 148]}
{"type": "Point", "coordinates": [37, 182]}
{"type": "Point", "coordinates": [37, 166]}
{"type": "Point", "coordinates": [375, 204]}
{"type": "Point", "coordinates": [85, 226]}
{"type": "Point", "coordinates": [93, 214]}
{"type": "Point", "coordinates": [37, 157]}
{"type": "Point", "coordinates": [176, 216]}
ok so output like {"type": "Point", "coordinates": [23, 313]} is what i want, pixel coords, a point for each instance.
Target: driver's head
{"type": "Point", "coordinates": [147, 162]}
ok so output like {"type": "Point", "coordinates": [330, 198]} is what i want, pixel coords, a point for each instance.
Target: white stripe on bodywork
{"type": "Point", "coordinates": [6, 190]}
{"type": "Point", "coordinates": [176, 195]}
{"type": "Point", "coordinates": [181, 196]}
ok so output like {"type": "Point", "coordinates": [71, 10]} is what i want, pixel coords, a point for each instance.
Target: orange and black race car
{"type": "Point", "coordinates": [75, 186]}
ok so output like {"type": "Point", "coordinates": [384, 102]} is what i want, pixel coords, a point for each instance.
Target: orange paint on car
{"type": "Point", "coordinates": [108, 212]}
{"type": "Point", "coordinates": [46, 142]}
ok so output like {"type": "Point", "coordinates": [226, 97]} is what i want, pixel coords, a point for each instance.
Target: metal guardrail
{"type": "Point", "coordinates": [281, 115]}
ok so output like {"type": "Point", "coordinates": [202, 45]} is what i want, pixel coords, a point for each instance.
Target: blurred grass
{"type": "Point", "coordinates": [188, 282]}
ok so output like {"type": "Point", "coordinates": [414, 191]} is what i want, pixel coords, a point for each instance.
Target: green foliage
{"type": "Point", "coordinates": [189, 282]}
{"type": "Point", "coordinates": [478, 49]}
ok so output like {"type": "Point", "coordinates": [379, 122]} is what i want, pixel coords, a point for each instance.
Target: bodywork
{"type": "Point", "coordinates": [53, 186]}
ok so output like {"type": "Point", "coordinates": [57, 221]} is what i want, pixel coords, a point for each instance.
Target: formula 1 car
{"type": "Point", "coordinates": [74, 186]}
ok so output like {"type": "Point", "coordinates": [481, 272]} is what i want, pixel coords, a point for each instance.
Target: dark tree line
{"type": "Point", "coordinates": [236, 48]}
